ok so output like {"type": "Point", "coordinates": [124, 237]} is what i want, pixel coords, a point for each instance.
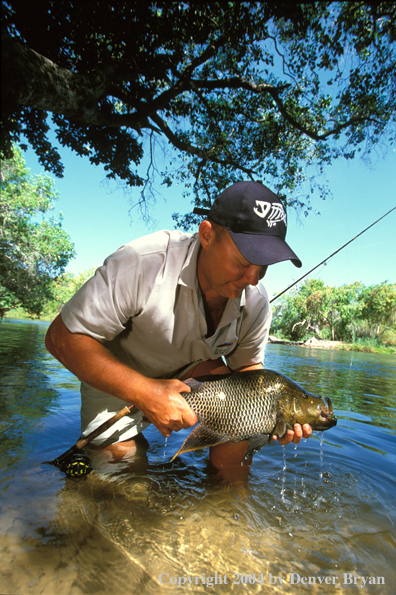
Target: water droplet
{"type": "Point", "coordinates": [321, 456]}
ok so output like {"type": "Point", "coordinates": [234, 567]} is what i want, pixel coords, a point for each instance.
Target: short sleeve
{"type": "Point", "coordinates": [116, 293]}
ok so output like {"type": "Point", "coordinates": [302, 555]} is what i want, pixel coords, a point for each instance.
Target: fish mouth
{"type": "Point", "coordinates": [325, 415]}
{"type": "Point", "coordinates": [325, 419]}
{"type": "Point", "coordinates": [328, 418]}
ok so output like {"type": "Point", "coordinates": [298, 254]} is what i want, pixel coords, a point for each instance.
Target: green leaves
{"type": "Point", "coordinates": [269, 91]}
{"type": "Point", "coordinates": [379, 307]}
{"type": "Point", "coordinates": [342, 313]}
{"type": "Point", "coordinates": [33, 250]}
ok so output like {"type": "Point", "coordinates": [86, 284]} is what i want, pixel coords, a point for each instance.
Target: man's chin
{"type": "Point", "coordinates": [236, 291]}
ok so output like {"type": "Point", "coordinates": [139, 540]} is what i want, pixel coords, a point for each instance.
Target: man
{"type": "Point", "coordinates": [170, 306]}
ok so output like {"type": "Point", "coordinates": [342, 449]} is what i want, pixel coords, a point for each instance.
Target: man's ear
{"type": "Point", "coordinates": [206, 233]}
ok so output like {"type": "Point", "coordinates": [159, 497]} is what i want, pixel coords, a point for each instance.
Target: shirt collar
{"type": "Point", "coordinates": [188, 276]}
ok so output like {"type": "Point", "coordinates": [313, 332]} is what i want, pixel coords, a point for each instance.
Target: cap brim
{"type": "Point", "coordinates": [264, 250]}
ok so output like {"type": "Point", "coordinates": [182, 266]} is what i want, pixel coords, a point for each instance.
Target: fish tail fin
{"type": "Point", "coordinates": [200, 437]}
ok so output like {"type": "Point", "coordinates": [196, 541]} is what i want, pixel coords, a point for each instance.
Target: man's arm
{"type": "Point", "coordinates": [159, 400]}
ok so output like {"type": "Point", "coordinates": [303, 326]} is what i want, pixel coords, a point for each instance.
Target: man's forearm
{"type": "Point", "coordinates": [159, 400]}
{"type": "Point", "coordinates": [88, 359]}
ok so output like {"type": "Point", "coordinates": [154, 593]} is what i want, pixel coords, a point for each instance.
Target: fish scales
{"type": "Point", "coordinates": [237, 410]}
{"type": "Point", "coordinates": [252, 405]}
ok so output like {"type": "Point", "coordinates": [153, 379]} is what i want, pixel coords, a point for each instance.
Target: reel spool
{"type": "Point", "coordinates": [77, 466]}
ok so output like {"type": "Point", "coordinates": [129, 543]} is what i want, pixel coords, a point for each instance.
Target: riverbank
{"type": "Point", "coordinates": [17, 314]}
{"type": "Point", "coordinates": [312, 342]}
{"type": "Point", "coordinates": [339, 345]}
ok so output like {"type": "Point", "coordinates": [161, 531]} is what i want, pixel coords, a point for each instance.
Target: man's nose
{"type": "Point", "coordinates": [253, 275]}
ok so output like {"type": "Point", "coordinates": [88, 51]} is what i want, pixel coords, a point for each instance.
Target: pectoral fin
{"type": "Point", "coordinates": [256, 443]}
{"type": "Point", "coordinates": [281, 425]}
{"type": "Point", "coordinates": [193, 383]}
{"type": "Point", "coordinates": [201, 437]}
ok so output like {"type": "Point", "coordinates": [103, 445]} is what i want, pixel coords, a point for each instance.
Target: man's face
{"type": "Point", "coordinates": [222, 270]}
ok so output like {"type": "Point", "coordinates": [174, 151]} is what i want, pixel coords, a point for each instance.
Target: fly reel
{"type": "Point", "coordinates": [77, 465]}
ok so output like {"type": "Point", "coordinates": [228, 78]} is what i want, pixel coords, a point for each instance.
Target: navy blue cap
{"type": "Point", "coordinates": [256, 221]}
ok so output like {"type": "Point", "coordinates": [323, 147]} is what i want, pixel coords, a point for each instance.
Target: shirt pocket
{"type": "Point", "coordinates": [225, 341]}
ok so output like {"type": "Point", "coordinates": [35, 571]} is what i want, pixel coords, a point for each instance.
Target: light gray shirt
{"type": "Point", "coordinates": [144, 304]}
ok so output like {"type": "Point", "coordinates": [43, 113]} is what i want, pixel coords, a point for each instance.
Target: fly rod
{"type": "Point", "coordinates": [331, 256]}
{"type": "Point", "coordinates": [73, 462]}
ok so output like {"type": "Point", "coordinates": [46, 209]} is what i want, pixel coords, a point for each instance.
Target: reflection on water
{"type": "Point", "coordinates": [324, 510]}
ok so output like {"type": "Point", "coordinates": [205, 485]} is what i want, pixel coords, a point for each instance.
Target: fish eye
{"type": "Point", "coordinates": [305, 395]}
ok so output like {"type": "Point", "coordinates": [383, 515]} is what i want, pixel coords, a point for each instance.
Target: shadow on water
{"type": "Point", "coordinates": [324, 509]}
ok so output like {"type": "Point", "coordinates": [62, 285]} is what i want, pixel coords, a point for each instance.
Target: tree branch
{"type": "Point", "coordinates": [238, 83]}
{"type": "Point", "coordinates": [192, 150]}
{"type": "Point", "coordinates": [32, 80]}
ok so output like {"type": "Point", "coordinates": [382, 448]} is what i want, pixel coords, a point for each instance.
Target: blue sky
{"type": "Point", "coordinates": [96, 215]}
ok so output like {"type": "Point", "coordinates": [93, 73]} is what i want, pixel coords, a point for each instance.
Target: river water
{"type": "Point", "coordinates": [308, 518]}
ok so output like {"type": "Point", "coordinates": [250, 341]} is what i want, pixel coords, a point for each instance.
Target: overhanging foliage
{"type": "Point", "coordinates": [238, 90]}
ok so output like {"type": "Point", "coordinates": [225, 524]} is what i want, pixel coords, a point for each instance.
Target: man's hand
{"type": "Point", "coordinates": [295, 437]}
{"type": "Point", "coordinates": [159, 400]}
{"type": "Point", "coordinates": [166, 408]}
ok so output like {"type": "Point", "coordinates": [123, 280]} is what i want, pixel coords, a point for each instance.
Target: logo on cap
{"type": "Point", "coordinates": [276, 212]}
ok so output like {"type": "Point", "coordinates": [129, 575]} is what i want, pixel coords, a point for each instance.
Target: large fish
{"type": "Point", "coordinates": [253, 405]}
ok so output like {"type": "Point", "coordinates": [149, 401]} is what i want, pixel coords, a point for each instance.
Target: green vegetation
{"type": "Point", "coordinates": [211, 92]}
{"type": "Point", "coordinates": [363, 318]}
{"type": "Point", "coordinates": [62, 289]}
{"type": "Point", "coordinates": [34, 250]}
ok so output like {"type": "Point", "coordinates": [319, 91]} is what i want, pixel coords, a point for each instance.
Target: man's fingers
{"type": "Point", "coordinates": [180, 386]}
{"type": "Point", "coordinates": [298, 434]}
{"type": "Point", "coordinates": [288, 437]}
{"type": "Point", "coordinates": [189, 418]}
{"type": "Point", "coordinates": [295, 435]}
{"type": "Point", "coordinates": [178, 414]}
